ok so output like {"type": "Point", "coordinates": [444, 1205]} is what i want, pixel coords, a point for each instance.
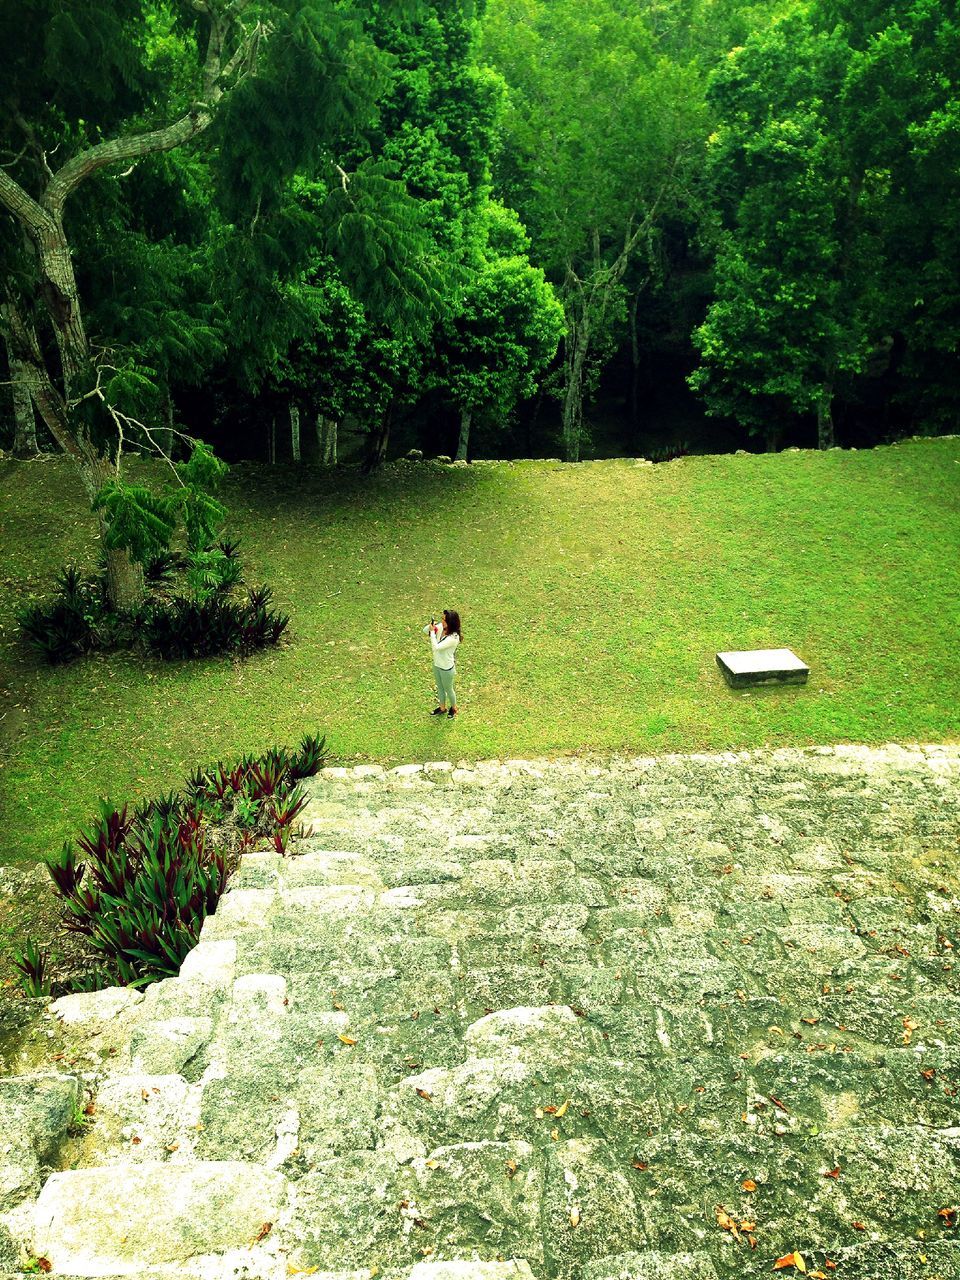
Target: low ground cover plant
{"type": "Point", "coordinates": [136, 885]}
{"type": "Point", "coordinates": [188, 613]}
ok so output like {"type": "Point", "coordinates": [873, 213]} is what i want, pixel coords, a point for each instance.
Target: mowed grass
{"type": "Point", "coordinates": [594, 598]}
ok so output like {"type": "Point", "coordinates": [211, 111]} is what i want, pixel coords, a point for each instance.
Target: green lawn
{"type": "Point", "coordinates": [593, 599]}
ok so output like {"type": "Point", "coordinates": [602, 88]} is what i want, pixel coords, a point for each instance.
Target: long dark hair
{"type": "Point", "coordinates": [452, 619]}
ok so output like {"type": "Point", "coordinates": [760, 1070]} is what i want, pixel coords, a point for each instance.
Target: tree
{"type": "Point", "coordinates": [601, 133]}
{"type": "Point", "coordinates": [503, 332]}
{"type": "Point", "coordinates": [816, 160]}
{"type": "Point", "coordinates": [92, 89]}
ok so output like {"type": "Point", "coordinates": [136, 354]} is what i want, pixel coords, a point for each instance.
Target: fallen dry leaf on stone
{"type": "Point", "coordinates": [303, 1271]}
{"type": "Point", "coordinates": [426, 1094]}
{"type": "Point", "coordinates": [748, 1184]}
{"type": "Point", "coordinates": [832, 1173]}
{"type": "Point", "coordinates": [511, 1168]}
{"type": "Point", "coordinates": [562, 1111]}
{"type": "Point", "coordinates": [347, 1039]}
{"type": "Point", "coordinates": [790, 1260]}
{"type": "Point", "coordinates": [858, 1226]}
{"type": "Point", "coordinates": [262, 1233]}
{"type": "Point", "coordinates": [574, 1217]}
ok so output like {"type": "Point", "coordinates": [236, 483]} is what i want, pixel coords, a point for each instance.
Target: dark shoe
{"type": "Point", "coordinates": [439, 711]}
{"type": "Point", "coordinates": [452, 712]}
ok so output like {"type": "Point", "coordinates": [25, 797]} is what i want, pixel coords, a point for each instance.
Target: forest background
{"type": "Point", "coordinates": [520, 227]}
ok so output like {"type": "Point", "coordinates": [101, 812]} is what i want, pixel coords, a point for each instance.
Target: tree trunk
{"type": "Point", "coordinates": [532, 421]}
{"type": "Point", "coordinates": [466, 417]}
{"type": "Point", "coordinates": [379, 438]}
{"type": "Point", "coordinates": [272, 442]}
{"type": "Point", "coordinates": [773, 438]}
{"type": "Point", "coordinates": [327, 440]}
{"type": "Point", "coordinates": [295, 430]}
{"type": "Point", "coordinates": [825, 416]}
{"type": "Point", "coordinates": [24, 419]}
{"type": "Point", "coordinates": [62, 298]}
{"type": "Point", "coordinates": [573, 394]}
{"type": "Point", "coordinates": [635, 369]}
{"type": "Point", "coordinates": [166, 436]}
{"type": "Point", "coordinates": [124, 576]}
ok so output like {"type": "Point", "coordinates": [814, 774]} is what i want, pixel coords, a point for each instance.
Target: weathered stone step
{"type": "Point", "coordinates": [903, 1260]}
{"type": "Point", "coordinates": [246, 1265]}
{"type": "Point", "coordinates": [35, 1114]}
{"type": "Point", "coordinates": [554, 1012]}
{"type": "Point", "coordinates": [92, 1221]}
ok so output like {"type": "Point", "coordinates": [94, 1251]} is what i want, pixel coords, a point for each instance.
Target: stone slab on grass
{"type": "Point", "coordinates": [94, 1220]}
{"type": "Point", "coordinates": [744, 667]}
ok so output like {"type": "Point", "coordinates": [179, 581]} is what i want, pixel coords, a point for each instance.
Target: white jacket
{"type": "Point", "coordinates": [443, 649]}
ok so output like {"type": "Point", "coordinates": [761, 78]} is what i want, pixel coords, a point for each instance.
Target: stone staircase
{"type": "Point", "coordinates": [658, 1019]}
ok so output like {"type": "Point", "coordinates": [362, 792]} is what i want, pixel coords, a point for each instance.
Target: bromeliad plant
{"type": "Point", "coordinates": [32, 963]}
{"type": "Point", "coordinates": [143, 889]}
{"type": "Point", "coordinates": [137, 886]}
{"type": "Point", "coordinates": [185, 628]}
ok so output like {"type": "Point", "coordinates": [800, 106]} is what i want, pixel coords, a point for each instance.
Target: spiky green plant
{"type": "Point", "coordinates": [32, 963]}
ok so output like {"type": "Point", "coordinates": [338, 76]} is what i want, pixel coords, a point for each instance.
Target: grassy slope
{"type": "Point", "coordinates": [593, 597]}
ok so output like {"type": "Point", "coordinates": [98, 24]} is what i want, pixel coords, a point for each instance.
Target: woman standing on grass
{"type": "Point", "coordinates": [445, 636]}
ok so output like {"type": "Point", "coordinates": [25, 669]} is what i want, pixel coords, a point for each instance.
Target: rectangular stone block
{"type": "Point", "coordinates": [762, 666]}
{"type": "Point", "coordinates": [94, 1221]}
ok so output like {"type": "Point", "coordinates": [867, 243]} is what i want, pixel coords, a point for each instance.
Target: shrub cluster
{"type": "Point", "coordinates": [205, 622]}
{"type": "Point", "coordinates": [138, 886]}
{"type": "Point", "coordinates": [76, 621]}
{"type": "Point", "coordinates": [190, 628]}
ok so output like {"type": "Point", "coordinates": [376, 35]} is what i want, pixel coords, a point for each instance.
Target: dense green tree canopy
{"type": "Point", "coordinates": [222, 214]}
{"type": "Point", "coordinates": [819, 157]}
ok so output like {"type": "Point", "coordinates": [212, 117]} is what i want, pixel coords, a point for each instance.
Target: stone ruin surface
{"type": "Point", "coordinates": [654, 1019]}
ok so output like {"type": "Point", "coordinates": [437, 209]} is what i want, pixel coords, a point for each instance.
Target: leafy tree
{"type": "Point", "coordinates": [502, 333]}
{"type": "Point", "coordinates": [100, 85]}
{"type": "Point", "coordinates": [816, 160]}
{"type": "Point", "coordinates": [601, 134]}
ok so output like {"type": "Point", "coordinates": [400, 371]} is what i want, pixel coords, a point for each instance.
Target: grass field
{"type": "Point", "coordinates": [593, 598]}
